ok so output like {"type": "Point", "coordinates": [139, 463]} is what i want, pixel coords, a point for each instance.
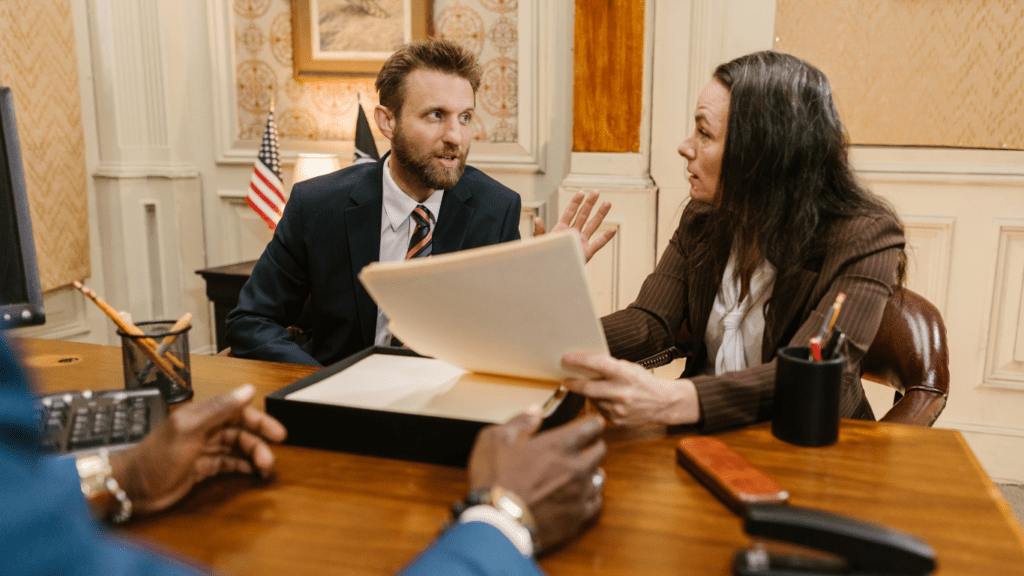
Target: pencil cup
{"type": "Point", "coordinates": [158, 359]}
{"type": "Point", "coordinates": [806, 409]}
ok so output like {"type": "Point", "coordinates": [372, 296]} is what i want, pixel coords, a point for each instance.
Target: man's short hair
{"type": "Point", "coordinates": [440, 55]}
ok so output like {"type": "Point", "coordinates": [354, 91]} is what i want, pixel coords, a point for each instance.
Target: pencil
{"type": "Point", "coordinates": [181, 324]}
{"type": "Point", "coordinates": [840, 298]}
{"type": "Point", "coordinates": [164, 346]}
{"type": "Point", "coordinates": [830, 319]}
{"type": "Point", "coordinates": [125, 327]}
{"type": "Point", "coordinates": [147, 345]}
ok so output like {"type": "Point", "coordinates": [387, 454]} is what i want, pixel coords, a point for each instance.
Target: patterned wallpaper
{"type": "Point", "coordinates": [326, 109]}
{"type": "Point", "coordinates": [923, 73]}
{"type": "Point", "coordinates": [39, 62]}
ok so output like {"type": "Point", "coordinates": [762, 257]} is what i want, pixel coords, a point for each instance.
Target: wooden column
{"type": "Point", "coordinates": [608, 77]}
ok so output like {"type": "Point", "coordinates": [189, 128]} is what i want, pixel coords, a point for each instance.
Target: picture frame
{"type": "Point", "coordinates": [337, 38]}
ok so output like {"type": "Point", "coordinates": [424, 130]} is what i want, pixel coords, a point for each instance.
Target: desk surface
{"type": "Point", "coordinates": [331, 512]}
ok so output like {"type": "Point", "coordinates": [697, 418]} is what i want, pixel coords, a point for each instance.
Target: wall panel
{"type": "Point", "coordinates": [38, 61]}
{"type": "Point", "coordinates": [922, 73]}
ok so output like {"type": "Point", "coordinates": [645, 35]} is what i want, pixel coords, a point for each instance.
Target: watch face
{"type": "Point", "coordinates": [93, 471]}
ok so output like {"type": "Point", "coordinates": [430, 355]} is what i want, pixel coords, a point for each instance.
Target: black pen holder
{"type": "Point", "coordinates": [806, 411]}
{"type": "Point", "coordinates": [163, 364]}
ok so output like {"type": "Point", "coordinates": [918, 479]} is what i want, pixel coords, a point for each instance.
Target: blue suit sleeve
{"type": "Point", "coordinates": [472, 549]}
{"type": "Point", "coordinates": [46, 526]}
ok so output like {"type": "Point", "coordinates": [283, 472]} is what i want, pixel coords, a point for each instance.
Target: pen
{"type": "Point", "coordinates": [815, 349]}
{"type": "Point", "coordinates": [834, 345]}
{"type": "Point", "coordinates": [548, 408]}
{"type": "Point", "coordinates": [830, 319]}
{"type": "Point", "coordinates": [829, 347]}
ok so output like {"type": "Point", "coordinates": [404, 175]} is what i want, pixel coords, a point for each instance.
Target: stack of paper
{"type": "Point", "coordinates": [512, 309]}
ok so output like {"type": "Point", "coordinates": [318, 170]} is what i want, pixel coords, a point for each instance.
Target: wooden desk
{"type": "Point", "coordinates": [223, 284]}
{"type": "Point", "coordinates": [330, 512]}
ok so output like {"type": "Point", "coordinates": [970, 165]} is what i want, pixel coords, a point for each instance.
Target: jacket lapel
{"type": "Point", "coordinates": [362, 224]}
{"type": "Point", "coordinates": [703, 290]}
{"type": "Point", "coordinates": [789, 297]}
{"type": "Point", "coordinates": [453, 221]}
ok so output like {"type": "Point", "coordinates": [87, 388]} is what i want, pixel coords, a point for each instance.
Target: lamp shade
{"type": "Point", "coordinates": [309, 165]}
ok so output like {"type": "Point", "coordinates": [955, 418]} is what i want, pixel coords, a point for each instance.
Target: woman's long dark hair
{"type": "Point", "coordinates": [785, 168]}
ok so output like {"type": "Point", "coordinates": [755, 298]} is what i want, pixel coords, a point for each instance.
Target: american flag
{"type": "Point", "coordinates": [266, 191]}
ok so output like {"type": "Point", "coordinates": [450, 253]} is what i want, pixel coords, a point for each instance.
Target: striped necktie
{"type": "Point", "coordinates": [420, 243]}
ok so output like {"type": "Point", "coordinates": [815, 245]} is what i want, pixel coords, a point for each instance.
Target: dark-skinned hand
{"type": "Point", "coordinates": [554, 472]}
{"type": "Point", "coordinates": [221, 436]}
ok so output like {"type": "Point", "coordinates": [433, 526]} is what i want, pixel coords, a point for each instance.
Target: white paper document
{"type": "Point", "coordinates": [428, 387]}
{"type": "Point", "coordinates": [512, 309]}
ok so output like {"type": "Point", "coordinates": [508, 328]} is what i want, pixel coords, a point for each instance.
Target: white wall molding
{"type": "Point", "coordinates": [946, 165]}
{"type": "Point", "coordinates": [1004, 365]}
{"type": "Point", "coordinates": [607, 166]}
{"type": "Point", "coordinates": [619, 183]}
{"type": "Point", "coordinates": [242, 234]}
{"type": "Point", "coordinates": [930, 242]}
{"type": "Point", "coordinates": [172, 171]}
{"type": "Point", "coordinates": [604, 272]}
{"type": "Point", "coordinates": [976, 428]}
{"type": "Point", "coordinates": [531, 209]}
{"type": "Point", "coordinates": [618, 270]}
{"type": "Point", "coordinates": [129, 64]}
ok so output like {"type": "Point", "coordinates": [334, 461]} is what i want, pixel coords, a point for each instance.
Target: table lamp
{"type": "Point", "coordinates": [309, 165]}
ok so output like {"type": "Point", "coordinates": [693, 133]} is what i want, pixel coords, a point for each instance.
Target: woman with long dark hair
{"type": "Point", "coordinates": [776, 228]}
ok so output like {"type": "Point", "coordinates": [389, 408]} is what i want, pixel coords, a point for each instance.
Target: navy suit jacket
{"type": "Point", "coordinates": [47, 528]}
{"type": "Point", "coordinates": [329, 231]}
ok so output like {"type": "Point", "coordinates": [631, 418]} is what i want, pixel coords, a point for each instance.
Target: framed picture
{"type": "Point", "coordinates": [353, 37]}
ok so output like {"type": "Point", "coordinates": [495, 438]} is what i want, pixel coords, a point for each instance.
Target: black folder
{"type": "Point", "coordinates": [380, 431]}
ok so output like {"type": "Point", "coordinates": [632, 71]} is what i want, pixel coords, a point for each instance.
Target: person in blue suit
{"type": "Point", "coordinates": [336, 224]}
{"type": "Point", "coordinates": [49, 527]}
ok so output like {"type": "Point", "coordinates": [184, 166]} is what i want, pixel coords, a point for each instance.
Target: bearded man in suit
{"type": "Point", "coordinates": [419, 199]}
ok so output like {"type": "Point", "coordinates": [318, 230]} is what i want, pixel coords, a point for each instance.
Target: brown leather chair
{"type": "Point", "coordinates": [909, 353]}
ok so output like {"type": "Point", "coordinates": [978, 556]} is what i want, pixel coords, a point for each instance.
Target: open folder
{"type": "Point", "coordinates": [496, 321]}
{"type": "Point", "coordinates": [513, 309]}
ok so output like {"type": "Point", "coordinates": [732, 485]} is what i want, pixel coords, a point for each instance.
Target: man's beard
{"type": "Point", "coordinates": [422, 167]}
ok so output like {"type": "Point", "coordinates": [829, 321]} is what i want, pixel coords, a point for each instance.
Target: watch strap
{"type": "Point", "coordinates": [99, 485]}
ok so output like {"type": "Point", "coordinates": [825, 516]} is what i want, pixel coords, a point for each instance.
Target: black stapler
{"type": "Point", "coordinates": [854, 547]}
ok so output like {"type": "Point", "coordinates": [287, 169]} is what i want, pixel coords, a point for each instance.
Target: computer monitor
{"type": "Point", "coordinates": [21, 298]}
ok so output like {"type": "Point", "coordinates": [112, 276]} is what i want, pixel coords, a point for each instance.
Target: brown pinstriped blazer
{"type": "Point", "coordinates": [862, 264]}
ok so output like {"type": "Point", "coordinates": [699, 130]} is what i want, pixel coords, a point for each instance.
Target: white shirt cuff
{"type": "Point", "coordinates": [509, 526]}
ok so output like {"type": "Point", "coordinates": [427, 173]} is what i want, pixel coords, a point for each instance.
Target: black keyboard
{"type": "Point", "coordinates": [83, 421]}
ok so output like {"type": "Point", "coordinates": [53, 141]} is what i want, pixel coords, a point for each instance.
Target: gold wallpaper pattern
{"type": "Point", "coordinates": [921, 73]}
{"type": "Point", "coordinates": [325, 109]}
{"type": "Point", "coordinates": [38, 61]}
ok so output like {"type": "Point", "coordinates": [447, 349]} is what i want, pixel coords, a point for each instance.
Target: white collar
{"type": "Point", "coordinates": [398, 205]}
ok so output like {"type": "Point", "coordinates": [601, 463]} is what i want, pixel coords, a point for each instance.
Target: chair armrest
{"type": "Point", "coordinates": [920, 406]}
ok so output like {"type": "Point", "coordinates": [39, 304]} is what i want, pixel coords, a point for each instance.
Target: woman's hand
{"type": "Point", "coordinates": [628, 395]}
{"type": "Point", "coordinates": [575, 217]}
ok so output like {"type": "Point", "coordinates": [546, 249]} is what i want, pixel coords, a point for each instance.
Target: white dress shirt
{"type": "Point", "coordinates": [735, 329]}
{"type": "Point", "coordinates": [396, 228]}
